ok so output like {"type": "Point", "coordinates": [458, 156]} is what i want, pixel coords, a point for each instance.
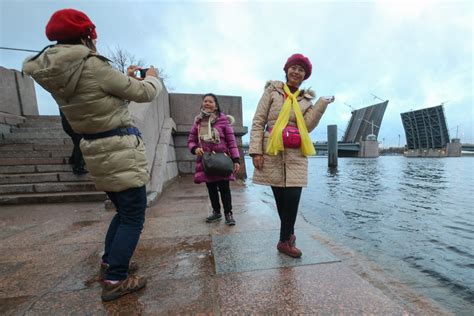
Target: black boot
{"type": "Point", "coordinates": [229, 219]}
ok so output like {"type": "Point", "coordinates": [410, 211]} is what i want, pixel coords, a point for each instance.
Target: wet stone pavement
{"type": "Point", "coordinates": [49, 260]}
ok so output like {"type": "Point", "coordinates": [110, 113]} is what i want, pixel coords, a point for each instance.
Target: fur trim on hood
{"type": "Point", "coordinates": [231, 119]}
{"type": "Point", "coordinates": [308, 93]}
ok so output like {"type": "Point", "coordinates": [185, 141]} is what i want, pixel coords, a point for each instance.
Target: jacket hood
{"type": "Point", "coordinates": [58, 69]}
{"type": "Point", "coordinates": [307, 93]}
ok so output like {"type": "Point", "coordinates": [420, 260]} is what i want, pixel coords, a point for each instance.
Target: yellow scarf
{"type": "Point", "coordinates": [275, 143]}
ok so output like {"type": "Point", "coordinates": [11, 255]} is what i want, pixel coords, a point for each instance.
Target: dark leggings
{"type": "Point", "coordinates": [287, 200]}
{"type": "Point", "coordinates": [213, 188]}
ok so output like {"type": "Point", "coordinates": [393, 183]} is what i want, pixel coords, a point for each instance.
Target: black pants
{"type": "Point", "coordinates": [287, 201]}
{"type": "Point", "coordinates": [213, 188]}
{"type": "Point", "coordinates": [76, 159]}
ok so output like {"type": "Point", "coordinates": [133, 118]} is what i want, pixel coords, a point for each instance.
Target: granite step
{"type": "Point", "coordinates": [61, 197]}
{"type": "Point", "coordinates": [34, 165]}
{"type": "Point", "coordinates": [32, 147]}
{"type": "Point", "coordinates": [35, 168]}
{"type": "Point", "coordinates": [49, 118]}
{"type": "Point", "coordinates": [16, 147]}
{"type": "Point", "coordinates": [36, 129]}
{"type": "Point", "coordinates": [30, 178]}
{"type": "Point", "coordinates": [40, 124]}
{"type": "Point", "coordinates": [25, 154]}
{"type": "Point", "coordinates": [45, 133]}
{"type": "Point", "coordinates": [36, 154]}
{"type": "Point", "coordinates": [46, 187]}
{"type": "Point", "coordinates": [32, 161]}
{"type": "Point", "coordinates": [42, 121]}
{"type": "Point", "coordinates": [36, 141]}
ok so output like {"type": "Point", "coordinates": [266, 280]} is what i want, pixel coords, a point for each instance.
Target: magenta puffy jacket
{"type": "Point", "coordinates": [227, 144]}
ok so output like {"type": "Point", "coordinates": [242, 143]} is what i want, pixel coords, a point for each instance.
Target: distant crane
{"type": "Point", "coordinates": [457, 130]}
{"type": "Point", "coordinates": [376, 97]}
{"type": "Point", "coordinates": [372, 124]}
{"type": "Point", "coordinates": [352, 108]}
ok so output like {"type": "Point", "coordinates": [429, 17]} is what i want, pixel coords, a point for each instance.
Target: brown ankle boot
{"type": "Point", "coordinates": [293, 240]}
{"type": "Point", "coordinates": [131, 284]}
{"type": "Point", "coordinates": [286, 248]}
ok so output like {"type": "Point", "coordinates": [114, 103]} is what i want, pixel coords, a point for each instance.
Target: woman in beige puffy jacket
{"type": "Point", "coordinates": [94, 98]}
{"type": "Point", "coordinates": [280, 160]}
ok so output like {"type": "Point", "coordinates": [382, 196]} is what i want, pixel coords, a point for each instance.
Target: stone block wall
{"type": "Point", "coordinates": [17, 93]}
{"type": "Point", "coordinates": [17, 98]}
{"type": "Point", "coordinates": [154, 121]}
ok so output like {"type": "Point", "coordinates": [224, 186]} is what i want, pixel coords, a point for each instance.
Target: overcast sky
{"type": "Point", "coordinates": [416, 54]}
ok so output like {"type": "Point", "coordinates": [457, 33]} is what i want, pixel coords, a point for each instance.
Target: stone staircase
{"type": "Point", "coordinates": [34, 165]}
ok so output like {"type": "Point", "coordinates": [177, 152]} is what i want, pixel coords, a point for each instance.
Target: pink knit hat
{"type": "Point", "coordinates": [299, 59]}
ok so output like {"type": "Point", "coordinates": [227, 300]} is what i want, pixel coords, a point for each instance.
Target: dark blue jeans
{"type": "Point", "coordinates": [124, 230]}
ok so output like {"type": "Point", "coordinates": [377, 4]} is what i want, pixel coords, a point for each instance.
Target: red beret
{"type": "Point", "coordinates": [68, 24]}
{"type": "Point", "coordinates": [299, 59]}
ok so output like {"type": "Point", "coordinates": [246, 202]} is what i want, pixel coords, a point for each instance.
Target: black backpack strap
{"type": "Point", "coordinates": [41, 52]}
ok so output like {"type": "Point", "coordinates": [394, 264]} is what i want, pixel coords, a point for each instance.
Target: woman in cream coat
{"type": "Point", "coordinates": [285, 169]}
{"type": "Point", "coordinates": [94, 98]}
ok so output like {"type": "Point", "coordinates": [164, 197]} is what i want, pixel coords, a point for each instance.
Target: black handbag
{"type": "Point", "coordinates": [217, 164]}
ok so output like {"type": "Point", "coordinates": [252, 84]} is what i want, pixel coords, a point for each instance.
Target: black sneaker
{"type": "Point", "coordinates": [229, 219]}
{"type": "Point", "coordinates": [214, 217]}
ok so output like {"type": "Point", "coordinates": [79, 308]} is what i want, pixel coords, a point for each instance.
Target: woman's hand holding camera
{"type": "Point", "coordinates": [152, 72]}
{"type": "Point", "coordinates": [133, 69]}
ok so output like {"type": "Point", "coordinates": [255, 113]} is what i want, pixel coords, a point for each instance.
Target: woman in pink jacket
{"type": "Point", "coordinates": [212, 132]}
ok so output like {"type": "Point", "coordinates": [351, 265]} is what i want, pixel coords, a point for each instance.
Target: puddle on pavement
{"type": "Point", "coordinates": [176, 258]}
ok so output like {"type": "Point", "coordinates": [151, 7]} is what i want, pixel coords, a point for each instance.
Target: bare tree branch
{"type": "Point", "coordinates": [122, 58]}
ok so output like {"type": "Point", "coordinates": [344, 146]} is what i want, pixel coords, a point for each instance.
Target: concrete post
{"type": "Point", "coordinates": [332, 146]}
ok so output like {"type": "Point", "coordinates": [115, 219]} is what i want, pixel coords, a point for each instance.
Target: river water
{"type": "Point", "coordinates": [414, 217]}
